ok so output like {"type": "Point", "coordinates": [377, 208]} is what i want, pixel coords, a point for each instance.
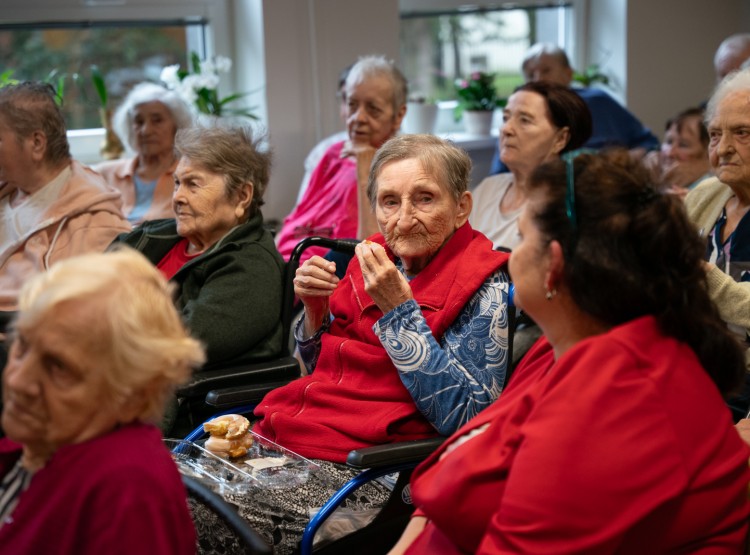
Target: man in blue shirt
{"type": "Point", "coordinates": [613, 124]}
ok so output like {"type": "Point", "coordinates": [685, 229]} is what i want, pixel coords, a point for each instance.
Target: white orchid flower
{"type": "Point", "coordinates": [169, 76]}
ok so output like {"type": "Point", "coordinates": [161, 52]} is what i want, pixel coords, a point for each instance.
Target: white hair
{"type": "Point", "coordinates": [142, 93]}
{"type": "Point", "coordinates": [737, 81]}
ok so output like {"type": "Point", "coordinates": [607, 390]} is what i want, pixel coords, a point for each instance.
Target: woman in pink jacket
{"type": "Point", "coordinates": [51, 207]}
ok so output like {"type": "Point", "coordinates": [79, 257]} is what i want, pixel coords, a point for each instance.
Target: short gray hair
{"type": "Point", "coordinates": [122, 120]}
{"type": "Point", "coordinates": [368, 67]}
{"type": "Point", "coordinates": [232, 151]}
{"type": "Point", "coordinates": [737, 81]}
{"type": "Point", "coordinates": [447, 164]}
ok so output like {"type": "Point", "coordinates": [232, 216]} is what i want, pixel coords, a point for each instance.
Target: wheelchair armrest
{"type": "Point", "coordinates": [279, 370]}
{"type": "Point", "coordinates": [250, 394]}
{"type": "Point", "coordinates": [393, 453]}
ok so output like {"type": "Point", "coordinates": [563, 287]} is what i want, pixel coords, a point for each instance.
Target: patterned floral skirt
{"type": "Point", "coordinates": [281, 514]}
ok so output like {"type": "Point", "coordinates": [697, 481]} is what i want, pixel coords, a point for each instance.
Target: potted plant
{"type": "Point", "coordinates": [477, 100]}
{"type": "Point", "coordinates": [199, 88]}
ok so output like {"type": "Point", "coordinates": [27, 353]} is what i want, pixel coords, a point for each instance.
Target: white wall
{"type": "Point", "coordinates": [307, 43]}
{"type": "Point", "coordinates": [660, 53]}
{"type": "Point", "coordinates": [670, 48]}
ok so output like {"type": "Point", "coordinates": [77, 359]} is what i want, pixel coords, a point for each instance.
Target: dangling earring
{"type": "Point", "coordinates": [550, 294]}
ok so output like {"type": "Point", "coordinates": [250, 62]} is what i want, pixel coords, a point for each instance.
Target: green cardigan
{"type": "Point", "coordinates": [704, 205]}
{"type": "Point", "coordinates": [230, 295]}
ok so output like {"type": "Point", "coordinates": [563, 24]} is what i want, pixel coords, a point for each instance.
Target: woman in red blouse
{"type": "Point", "coordinates": [612, 436]}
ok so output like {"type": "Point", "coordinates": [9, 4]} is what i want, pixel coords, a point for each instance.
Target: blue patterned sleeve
{"type": "Point", "coordinates": [309, 348]}
{"type": "Point", "coordinates": [455, 379]}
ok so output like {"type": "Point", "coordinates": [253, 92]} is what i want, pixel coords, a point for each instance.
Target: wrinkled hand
{"type": "Point", "coordinates": [743, 428]}
{"type": "Point", "coordinates": [383, 282]}
{"type": "Point", "coordinates": [314, 283]}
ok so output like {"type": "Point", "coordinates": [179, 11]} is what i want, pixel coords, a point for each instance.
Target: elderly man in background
{"type": "Point", "coordinates": [51, 207]}
{"type": "Point", "coordinates": [613, 124]}
{"type": "Point", "coordinates": [732, 52]}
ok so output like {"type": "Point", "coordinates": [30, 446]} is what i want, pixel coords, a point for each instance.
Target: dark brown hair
{"type": "Point", "coordinates": [633, 252]}
{"type": "Point", "coordinates": [566, 109]}
{"type": "Point", "coordinates": [680, 119]}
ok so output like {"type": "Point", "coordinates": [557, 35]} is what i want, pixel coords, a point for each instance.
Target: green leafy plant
{"type": "Point", "coordinates": [200, 87]}
{"type": "Point", "coordinates": [591, 75]}
{"type": "Point", "coordinates": [54, 78]}
{"type": "Point", "coordinates": [478, 92]}
{"type": "Point", "coordinates": [100, 86]}
{"type": "Point", "coordinates": [6, 78]}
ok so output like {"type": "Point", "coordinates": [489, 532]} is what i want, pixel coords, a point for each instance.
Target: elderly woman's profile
{"type": "Point", "coordinates": [97, 349]}
{"type": "Point", "coordinates": [410, 344]}
{"type": "Point", "coordinates": [215, 249]}
{"type": "Point", "coordinates": [719, 208]}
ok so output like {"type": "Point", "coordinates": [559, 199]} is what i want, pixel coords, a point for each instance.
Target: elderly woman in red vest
{"type": "Point", "coordinates": [410, 344]}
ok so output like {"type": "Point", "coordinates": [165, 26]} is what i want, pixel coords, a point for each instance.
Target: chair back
{"type": "Point", "coordinates": [287, 306]}
{"type": "Point", "coordinates": [218, 526]}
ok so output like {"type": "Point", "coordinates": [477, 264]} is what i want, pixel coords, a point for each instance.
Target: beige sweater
{"type": "Point", "coordinates": [704, 205]}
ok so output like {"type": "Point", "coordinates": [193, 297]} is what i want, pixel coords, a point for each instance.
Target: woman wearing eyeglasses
{"type": "Point", "coordinates": [612, 436]}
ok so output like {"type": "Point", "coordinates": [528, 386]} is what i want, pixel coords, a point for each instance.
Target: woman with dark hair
{"type": "Point", "coordinates": [612, 435]}
{"type": "Point", "coordinates": [540, 122]}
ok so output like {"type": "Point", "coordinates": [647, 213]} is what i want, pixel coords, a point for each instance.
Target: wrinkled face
{"type": "Point", "coordinates": [729, 132]}
{"type": "Point", "coordinates": [15, 156]}
{"type": "Point", "coordinates": [526, 265]}
{"type": "Point", "coordinates": [153, 128]}
{"type": "Point", "coordinates": [682, 145]}
{"type": "Point", "coordinates": [203, 210]}
{"type": "Point", "coordinates": [547, 68]}
{"type": "Point", "coordinates": [370, 118]}
{"type": "Point", "coordinates": [54, 389]}
{"type": "Point", "coordinates": [415, 214]}
{"type": "Point", "coordinates": [527, 136]}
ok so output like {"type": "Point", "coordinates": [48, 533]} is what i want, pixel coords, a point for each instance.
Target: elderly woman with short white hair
{"type": "Point", "coordinates": [97, 350]}
{"type": "Point", "coordinates": [147, 121]}
{"type": "Point", "coordinates": [719, 208]}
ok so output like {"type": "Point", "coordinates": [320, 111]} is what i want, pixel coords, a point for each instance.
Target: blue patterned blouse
{"type": "Point", "coordinates": [454, 379]}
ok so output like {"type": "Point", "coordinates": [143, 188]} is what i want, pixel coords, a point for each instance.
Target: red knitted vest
{"type": "Point", "coordinates": [355, 397]}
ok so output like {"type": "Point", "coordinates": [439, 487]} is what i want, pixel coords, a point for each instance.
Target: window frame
{"type": "Point", "coordinates": [85, 143]}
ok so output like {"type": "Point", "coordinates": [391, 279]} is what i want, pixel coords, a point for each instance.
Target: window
{"type": "Point", "coordinates": [125, 53]}
{"type": "Point", "coordinates": [439, 47]}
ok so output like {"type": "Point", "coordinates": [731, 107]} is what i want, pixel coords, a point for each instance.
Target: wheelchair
{"type": "Point", "coordinates": [383, 531]}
